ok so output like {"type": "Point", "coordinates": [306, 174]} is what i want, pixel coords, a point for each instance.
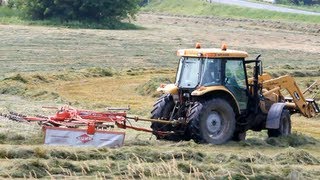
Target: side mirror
{"type": "Point", "coordinates": [259, 64]}
{"type": "Point", "coordinates": [260, 68]}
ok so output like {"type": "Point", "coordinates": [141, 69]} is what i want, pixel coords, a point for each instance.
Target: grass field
{"type": "Point", "coordinates": [94, 69]}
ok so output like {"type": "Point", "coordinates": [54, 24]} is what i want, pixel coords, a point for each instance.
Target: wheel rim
{"type": "Point", "coordinates": [214, 123]}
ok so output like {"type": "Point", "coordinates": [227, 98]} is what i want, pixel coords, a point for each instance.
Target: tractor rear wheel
{"type": "Point", "coordinates": [212, 121]}
{"type": "Point", "coordinates": [162, 109]}
{"type": "Point", "coordinates": [284, 126]}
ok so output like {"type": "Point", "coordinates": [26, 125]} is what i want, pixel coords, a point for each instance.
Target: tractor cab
{"type": "Point", "coordinates": [197, 74]}
{"type": "Point", "coordinates": [204, 71]}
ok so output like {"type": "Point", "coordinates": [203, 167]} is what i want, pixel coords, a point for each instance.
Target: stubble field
{"type": "Point", "coordinates": [99, 68]}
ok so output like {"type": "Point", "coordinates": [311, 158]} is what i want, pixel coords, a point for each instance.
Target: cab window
{"type": "Point", "coordinates": [235, 81]}
{"type": "Point", "coordinates": [211, 72]}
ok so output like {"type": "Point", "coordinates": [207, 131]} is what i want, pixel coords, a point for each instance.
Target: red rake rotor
{"type": "Point", "coordinates": [70, 117]}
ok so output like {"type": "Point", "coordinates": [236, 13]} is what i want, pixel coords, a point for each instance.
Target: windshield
{"type": "Point", "coordinates": [188, 72]}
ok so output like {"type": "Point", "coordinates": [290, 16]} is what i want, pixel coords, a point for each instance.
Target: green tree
{"type": "Point", "coordinates": [81, 10]}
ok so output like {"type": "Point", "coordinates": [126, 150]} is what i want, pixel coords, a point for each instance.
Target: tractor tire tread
{"type": "Point", "coordinates": [194, 119]}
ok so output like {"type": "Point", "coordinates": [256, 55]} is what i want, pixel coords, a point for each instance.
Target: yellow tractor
{"type": "Point", "coordinates": [214, 101]}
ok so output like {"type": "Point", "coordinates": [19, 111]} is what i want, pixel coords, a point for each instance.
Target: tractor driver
{"type": "Point", "coordinates": [211, 73]}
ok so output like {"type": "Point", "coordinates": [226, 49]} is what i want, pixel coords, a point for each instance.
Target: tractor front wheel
{"type": "Point", "coordinates": [212, 121]}
{"type": "Point", "coordinates": [284, 126]}
{"type": "Point", "coordinates": [162, 109]}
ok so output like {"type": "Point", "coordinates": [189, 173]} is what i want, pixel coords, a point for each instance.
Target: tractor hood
{"type": "Point", "coordinates": [168, 89]}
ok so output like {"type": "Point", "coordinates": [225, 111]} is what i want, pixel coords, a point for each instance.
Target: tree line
{"type": "Point", "coordinates": [80, 10]}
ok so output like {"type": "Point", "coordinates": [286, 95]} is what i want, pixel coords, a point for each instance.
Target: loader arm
{"type": "Point", "coordinates": [308, 108]}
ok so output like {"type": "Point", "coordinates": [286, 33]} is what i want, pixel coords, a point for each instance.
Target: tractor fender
{"type": "Point", "coordinates": [218, 91]}
{"type": "Point", "coordinates": [274, 116]}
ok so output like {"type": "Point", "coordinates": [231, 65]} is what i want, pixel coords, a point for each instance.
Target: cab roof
{"type": "Point", "coordinates": [223, 52]}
